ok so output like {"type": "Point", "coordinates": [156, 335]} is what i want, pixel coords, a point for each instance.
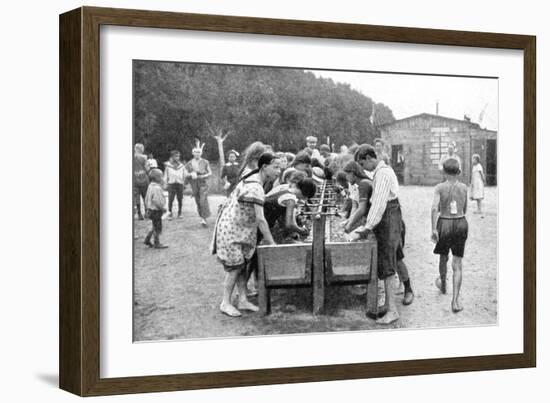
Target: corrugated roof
{"type": "Point", "coordinates": [429, 115]}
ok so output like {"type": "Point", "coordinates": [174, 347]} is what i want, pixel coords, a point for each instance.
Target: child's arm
{"type": "Point", "coordinates": [290, 219]}
{"type": "Point", "coordinates": [356, 215]}
{"type": "Point", "coordinates": [262, 224]}
{"type": "Point", "coordinates": [435, 214]}
{"type": "Point", "coordinates": [208, 172]}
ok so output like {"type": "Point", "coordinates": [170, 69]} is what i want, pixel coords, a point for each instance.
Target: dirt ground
{"type": "Point", "coordinates": [177, 290]}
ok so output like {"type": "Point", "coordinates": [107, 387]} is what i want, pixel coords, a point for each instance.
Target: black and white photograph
{"type": "Point", "coordinates": [276, 201]}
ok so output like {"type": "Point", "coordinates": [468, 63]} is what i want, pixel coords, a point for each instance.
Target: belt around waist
{"type": "Point", "coordinates": [393, 202]}
{"type": "Point", "coordinates": [452, 218]}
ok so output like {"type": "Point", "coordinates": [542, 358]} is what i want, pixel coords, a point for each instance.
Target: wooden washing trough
{"type": "Point", "coordinates": [319, 263]}
{"type": "Point", "coordinates": [349, 262]}
{"type": "Point", "coordinates": [283, 265]}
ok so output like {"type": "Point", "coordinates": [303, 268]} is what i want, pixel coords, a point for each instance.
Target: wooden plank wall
{"type": "Point", "coordinates": [416, 136]}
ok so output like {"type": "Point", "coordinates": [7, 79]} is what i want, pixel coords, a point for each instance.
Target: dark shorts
{"type": "Point", "coordinates": [453, 233]}
{"type": "Point", "coordinates": [233, 268]}
{"type": "Point", "coordinates": [156, 219]}
{"type": "Point", "coordinates": [389, 233]}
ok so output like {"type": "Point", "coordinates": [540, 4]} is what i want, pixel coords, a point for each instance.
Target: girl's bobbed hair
{"type": "Point", "coordinates": [308, 187]}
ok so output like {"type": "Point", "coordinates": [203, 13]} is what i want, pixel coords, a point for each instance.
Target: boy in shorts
{"type": "Point", "coordinates": [154, 203]}
{"type": "Point", "coordinates": [450, 228]}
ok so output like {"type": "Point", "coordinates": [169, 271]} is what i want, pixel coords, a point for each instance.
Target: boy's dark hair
{"type": "Point", "coordinates": [324, 147]}
{"type": "Point", "coordinates": [451, 167]}
{"type": "Point", "coordinates": [308, 187]}
{"type": "Point", "coordinates": [378, 140]}
{"type": "Point", "coordinates": [356, 169]}
{"type": "Point", "coordinates": [364, 151]}
{"type": "Point", "coordinates": [265, 159]}
{"type": "Point", "coordinates": [293, 176]}
{"type": "Point", "coordinates": [174, 153]}
{"type": "Point", "coordinates": [301, 158]}
{"type": "Point", "coordinates": [341, 178]}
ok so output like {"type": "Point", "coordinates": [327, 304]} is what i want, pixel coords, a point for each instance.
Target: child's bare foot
{"type": "Point", "coordinates": [388, 318]}
{"type": "Point", "coordinates": [229, 310]}
{"type": "Point", "coordinates": [441, 284]}
{"type": "Point", "coordinates": [248, 306]}
{"type": "Point", "coordinates": [456, 306]}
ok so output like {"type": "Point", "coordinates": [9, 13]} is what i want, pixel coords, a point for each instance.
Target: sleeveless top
{"type": "Point", "coordinates": [275, 207]}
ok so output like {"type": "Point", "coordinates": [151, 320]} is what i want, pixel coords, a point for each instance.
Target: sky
{"type": "Point", "coordinates": [409, 95]}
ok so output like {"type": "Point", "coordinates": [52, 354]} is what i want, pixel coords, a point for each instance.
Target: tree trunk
{"type": "Point", "coordinates": [220, 139]}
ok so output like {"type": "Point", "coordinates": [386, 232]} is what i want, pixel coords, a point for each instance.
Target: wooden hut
{"type": "Point", "coordinates": [416, 144]}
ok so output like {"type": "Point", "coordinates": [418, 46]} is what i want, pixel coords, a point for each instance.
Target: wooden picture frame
{"type": "Point", "coordinates": [79, 195]}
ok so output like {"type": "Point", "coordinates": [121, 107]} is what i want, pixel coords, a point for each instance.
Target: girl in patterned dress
{"type": "Point", "coordinates": [235, 233]}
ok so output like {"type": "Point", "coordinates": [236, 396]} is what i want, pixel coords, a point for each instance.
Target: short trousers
{"type": "Point", "coordinates": [453, 233]}
{"type": "Point", "coordinates": [156, 219]}
{"type": "Point", "coordinates": [389, 239]}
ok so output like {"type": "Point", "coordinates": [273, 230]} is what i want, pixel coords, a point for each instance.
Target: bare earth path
{"type": "Point", "coordinates": [177, 290]}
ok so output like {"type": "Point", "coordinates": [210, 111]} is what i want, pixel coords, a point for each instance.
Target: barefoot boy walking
{"type": "Point", "coordinates": [450, 228]}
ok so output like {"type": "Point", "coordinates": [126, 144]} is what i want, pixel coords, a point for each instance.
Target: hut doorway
{"type": "Point", "coordinates": [398, 161]}
{"type": "Point", "coordinates": [491, 162]}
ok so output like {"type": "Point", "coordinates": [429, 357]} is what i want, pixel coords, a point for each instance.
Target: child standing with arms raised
{"type": "Point", "coordinates": [450, 228]}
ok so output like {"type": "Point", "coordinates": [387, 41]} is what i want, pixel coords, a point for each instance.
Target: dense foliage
{"type": "Point", "coordinates": [175, 103]}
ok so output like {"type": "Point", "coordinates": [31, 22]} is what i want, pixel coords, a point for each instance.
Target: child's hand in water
{"type": "Point", "coordinates": [435, 236]}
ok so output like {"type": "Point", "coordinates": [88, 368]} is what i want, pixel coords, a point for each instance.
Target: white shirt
{"type": "Point", "coordinates": [385, 188]}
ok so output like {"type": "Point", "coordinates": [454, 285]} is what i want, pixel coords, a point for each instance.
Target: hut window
{"type": "Point", "coordinates": [439, 139]}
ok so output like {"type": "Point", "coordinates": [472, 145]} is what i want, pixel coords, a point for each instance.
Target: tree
{"type": "Point", "coordinates": [232, 106]}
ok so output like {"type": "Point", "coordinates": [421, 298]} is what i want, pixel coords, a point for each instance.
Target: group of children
{"type": "Point", "coordinates": [264, 190]}
{"type": "Point", "coordinates": [150, 183]}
